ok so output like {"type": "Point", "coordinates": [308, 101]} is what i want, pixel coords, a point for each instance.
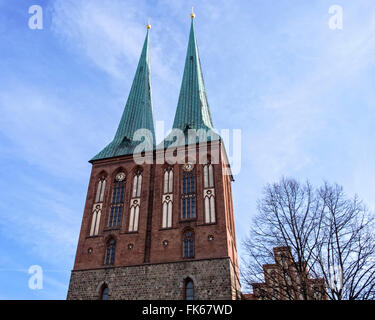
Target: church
{"type": "Point", "coordinates": [160, 229]}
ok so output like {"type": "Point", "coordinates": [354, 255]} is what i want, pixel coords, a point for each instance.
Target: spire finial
{"type": "Point", "coordinates": [192, 14]}
{"type": "Point", "coordinates": [148, 26]}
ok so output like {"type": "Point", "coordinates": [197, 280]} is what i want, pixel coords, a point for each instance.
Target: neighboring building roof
{"type": "Point", "coordinates": [138, 112]}
{"type": "Point", "coordinates": [284, 282]}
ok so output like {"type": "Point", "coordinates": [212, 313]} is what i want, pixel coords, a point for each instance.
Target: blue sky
{"type": "Point", "coordinates": [302, 94]}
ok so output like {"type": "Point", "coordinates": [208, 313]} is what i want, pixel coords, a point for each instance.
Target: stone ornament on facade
{"type": "Point", "coordinates": [188, 167]}
{"type": "Point", "coordinates": [120, 176]}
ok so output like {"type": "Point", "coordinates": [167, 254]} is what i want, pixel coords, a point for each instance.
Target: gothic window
{"type": "Point", "coordinates": [209, 193]}
{"type": "Point", "coordinates": [167, 198]}
{"type": "Point", "coordinates": [110, 254]}
{"type": "Point", "coordinates": [189, 289]}
{"type": "Point", "coordinates": [137, 183]}
{"type": "Point", "coordinates": [104, 293]}
{"type": "Point", "coordinates": [100, 190]}
{"type": "Point", "coordinates": [134, 215]}
{"type": "Point", "coordinates": [168, 180]}
{"type": "Point", "coordinates": [208, 176]}
{"type": "Point", "coordinates": [97, 207]}
{"type": "Point", "coordinates": [188, 245]}
{"type": "Point", "coordinates": [188, 195]}
{"type": "Point", "coordinates": [135, 202]}
{"type": "Point", "coordinates": [95, 219]}
{"type": "Point", "coordinates": [117, 201]}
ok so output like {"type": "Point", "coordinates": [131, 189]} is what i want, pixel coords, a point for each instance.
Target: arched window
{"type": "Point", "coordinates": [188, 195]}
{"type": "Point", "coordinates": [97, 208]}
{"type": "Point", "coordinates": [188, 245]}
{"type": "Point", "coordinates": [167, 199]}
{"type": "Point", "coordinates": [95, 219]}
{"type": "Point", "coordinates": [104, 292]}
{"type": "Point", "coordinates": [189, 289]}
{"type": "Point", "coordinates": [209, 193]}
{"type": "Point", "coordinates": [135, 202]}
{"type": "Point", "coordinates": [100, 190]}
{"type": "Point", "coordinates": [208, 176]}
{"type": "Point", "coordinates": [137, 183]}
{"type": "Point", "coordinates": [117, 200]}
{"type": "Point", "coordinates": [134, 215]}
{"type": "Point", "coordinates": [168, 180]}
{"type": "Point", "coordinates": [111, 251]}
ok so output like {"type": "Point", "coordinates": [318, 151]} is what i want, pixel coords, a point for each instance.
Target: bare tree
{"type": "Point", "coordinates": [330, 236]}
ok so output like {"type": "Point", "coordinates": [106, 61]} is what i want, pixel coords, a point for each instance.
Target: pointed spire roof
{"type": "Point", "coordinates": [193, 111]}
{"type": "Point", "coordinates": [138, 112]}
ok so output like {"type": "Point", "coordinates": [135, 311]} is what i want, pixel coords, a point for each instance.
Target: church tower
{"type": "Point", "coordinates": [164, 228]}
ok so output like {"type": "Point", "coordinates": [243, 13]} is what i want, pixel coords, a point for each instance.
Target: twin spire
{"type": "Point", "coordinates": [192, 110]}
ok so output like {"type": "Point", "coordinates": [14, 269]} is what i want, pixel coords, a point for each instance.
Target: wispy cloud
{"type": "Point", "coordinates": [301, 93]}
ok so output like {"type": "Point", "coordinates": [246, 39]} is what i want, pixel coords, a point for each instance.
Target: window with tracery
{"type": "Point", "coordinates": [188, 196]}
{"type": "Point", "coordinates": [167, 198]}
{"type": "Point", "coordinates": [209, 193]}
{"type": "Point", "coordinates": [97, 207]}
{"type": "Point", "coordinates": [135, 202]}
{"type": "Point", "coordinates": [117, 200]}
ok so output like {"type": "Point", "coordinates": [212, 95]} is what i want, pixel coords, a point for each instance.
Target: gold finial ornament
{"type": "Point", "coordinates": [148, 26]}
{"type": "Point", "coordinates": [192, 14]}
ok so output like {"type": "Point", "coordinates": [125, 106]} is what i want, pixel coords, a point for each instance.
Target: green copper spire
{"type": "Point", "coordinates": [192, 110]}
{"type": "Point", "coordinates": [138, 112]}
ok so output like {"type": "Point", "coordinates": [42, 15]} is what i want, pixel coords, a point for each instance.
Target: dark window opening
{"type": "Point", "coordinates": [104, 294]}
{"type": "Point", "coordinates": [188, 196]}
{"type": "Point", "coordinates": [188, 245]}
{"type": "Point", "coordinates": [189, 289]}
{"type": "Point", "coordinates": [110, 255]}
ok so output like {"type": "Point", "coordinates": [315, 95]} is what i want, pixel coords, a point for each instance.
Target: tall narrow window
{"type": "Point", "coordinates": [188, 245]}
{"type": "Point", "coordinates": [100, 190]}
{"type": "Point", "coordinates": [137, 183]}
{"type": "Point", "coordinates": [110, 254]}
{"type": "Point", "coordinates": [189, 289]}
{"type": "Point", "coordinates": [117, 200]}
{"type": "Point", "coordinates": [168, 180]}
{"type": "Point", "coordinates": [208, 176]}
{"type": "Point", "coordinates": [104, 293]}
{"type": "Point", "coordinates": [188, 195]}
{"type": "Point", "coordinates": [97, 207]}
{"type": "Point", "coordinates": [95, 219]}
{"type": "Point", "coordinates": [209, 193]}
{"type": "Point", "coordinates": [135, 202]}
{"type": "Point", "coordinates": [167, 199]}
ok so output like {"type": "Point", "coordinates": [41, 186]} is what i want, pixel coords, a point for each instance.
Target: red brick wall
{"type": "Point", "coordinates": [223, 245]}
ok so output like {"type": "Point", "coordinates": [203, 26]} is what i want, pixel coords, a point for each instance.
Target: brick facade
{"type": "Point", "coordinates": [143, 260]}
